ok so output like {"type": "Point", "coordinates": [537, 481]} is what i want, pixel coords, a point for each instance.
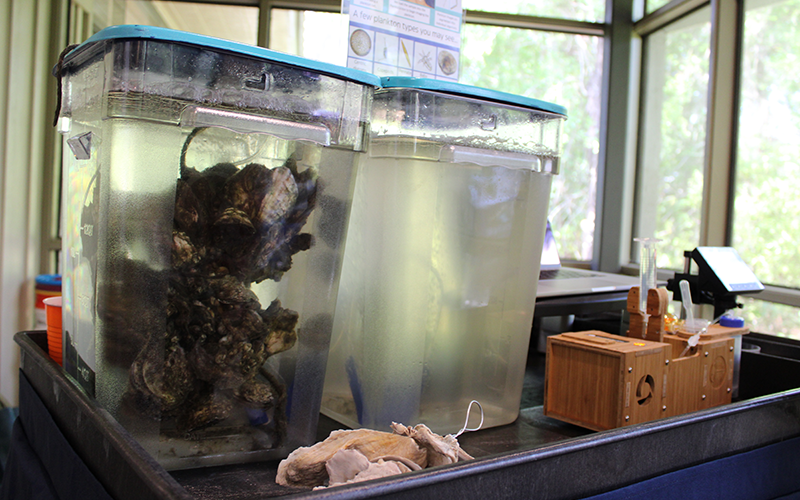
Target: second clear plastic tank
{"type": "Point", "coordinates": [441, 263]}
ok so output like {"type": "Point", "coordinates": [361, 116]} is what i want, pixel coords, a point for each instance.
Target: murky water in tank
{"type": "Point", "coordinates": [436, 300]}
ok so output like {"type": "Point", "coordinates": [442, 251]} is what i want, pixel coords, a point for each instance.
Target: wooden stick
{"type": "Point", "coordinates": [637, 328]}
{"type": "Point", "coordinates": [657, 302]}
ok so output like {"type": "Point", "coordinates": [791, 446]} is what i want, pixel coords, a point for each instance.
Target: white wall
{"type": "Point", "coordinates": [32, 34]}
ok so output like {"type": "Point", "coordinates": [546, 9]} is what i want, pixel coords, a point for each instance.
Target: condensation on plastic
{"type": "Point", "coordinates": [157, 80]}
{"type": "Point", "coordinates": [430, 125]}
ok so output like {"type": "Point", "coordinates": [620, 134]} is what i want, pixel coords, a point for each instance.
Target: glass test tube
{"type": "Point", "coordinates": [647, 269]}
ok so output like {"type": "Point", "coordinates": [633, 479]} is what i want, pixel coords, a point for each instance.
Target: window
{"type": "Point", "coordinates": [673, 137]}
{"type": "Point", "coordinates": [766, 208]}
{"type": "Point", "coordinates": [766, 219]}
{"type": "Point", "coordinates": [231, 22]}
{"type": "Point", "coordinates": [769, 317]}
{"type": "Point", "coordinates": [654, 5]}
{"type": "Point", "coordinates": [321, 36]}
{"type": "Point", "coordinates": [563, 69]}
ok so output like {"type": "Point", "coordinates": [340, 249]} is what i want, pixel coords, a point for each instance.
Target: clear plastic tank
{"type": "Point", "coordinates": [207, 188]}
{"type": "Point", "coordinates": [441, 265]}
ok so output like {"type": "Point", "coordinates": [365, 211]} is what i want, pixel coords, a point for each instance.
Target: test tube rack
{"type": "Point", "coordinates": [603, 381]}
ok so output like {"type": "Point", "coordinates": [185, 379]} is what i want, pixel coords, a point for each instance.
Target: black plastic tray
{"type": "Point", "coordinates": [534, 457]}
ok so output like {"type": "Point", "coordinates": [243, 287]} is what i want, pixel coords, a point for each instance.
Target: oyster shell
{"type": "Point", "coordinates": [362, 454]}
{"type": "Point", "coordinates": [345, 465]}
{"type": "Point", "coordinates": [441, 450]}
{"type": "Point", "coordinates": [351, 466]}
{"type": "Point", "coordinates": [307, 466]}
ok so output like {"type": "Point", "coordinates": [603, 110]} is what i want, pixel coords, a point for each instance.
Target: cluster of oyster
{"type": "Point", "coordinates": [232, 227]}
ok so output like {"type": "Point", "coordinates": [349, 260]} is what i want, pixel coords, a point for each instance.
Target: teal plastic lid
{"type": "Point", "coordinates": [137, 32]}
{"type": "Point", "coordinates": [464, 90]}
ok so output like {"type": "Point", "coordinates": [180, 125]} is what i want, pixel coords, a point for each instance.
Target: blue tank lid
{"type": "Point", "coordinates": [137, 32]}
{"type": "Point", "coordinates": [464, 90]}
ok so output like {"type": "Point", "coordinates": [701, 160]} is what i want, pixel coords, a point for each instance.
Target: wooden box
{"type": "Point", "coordinates": [702, 376]}
{"type": "Point", "coordinates": [601, 381]}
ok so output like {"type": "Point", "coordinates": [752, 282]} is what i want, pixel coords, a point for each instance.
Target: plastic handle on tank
{"type": "Point", "coordinates": [490, 158]}
{"type": "Point", "coordinates": [198, 116]}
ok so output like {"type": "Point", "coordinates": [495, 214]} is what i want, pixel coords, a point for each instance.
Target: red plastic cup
{"type": "Point", "coordinates": [52, 307]}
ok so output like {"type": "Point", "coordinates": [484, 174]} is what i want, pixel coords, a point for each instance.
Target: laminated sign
{"type": "Point", "coordinates": [420, 38]}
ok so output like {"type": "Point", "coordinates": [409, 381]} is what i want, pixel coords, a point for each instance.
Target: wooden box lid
{"type": "Point", "coordinates": [610, 342]}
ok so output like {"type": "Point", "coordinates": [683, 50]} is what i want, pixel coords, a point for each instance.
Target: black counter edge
{"type": "Point", "coordinates": [113, 449]}
{"type": "Point", "coordinates": [574, 468]}
{"type": "Point", "coordinates": [601, 462]}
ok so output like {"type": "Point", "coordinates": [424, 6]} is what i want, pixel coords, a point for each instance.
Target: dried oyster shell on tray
{"type": "Point", "coordinates": [441, 449]}
{"type": "Point", "coordinates": [352, 466]}
{"type": "Point", "coordinates": [306, 466]}
{"type": "Point", "coordinates": [358, 455]}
